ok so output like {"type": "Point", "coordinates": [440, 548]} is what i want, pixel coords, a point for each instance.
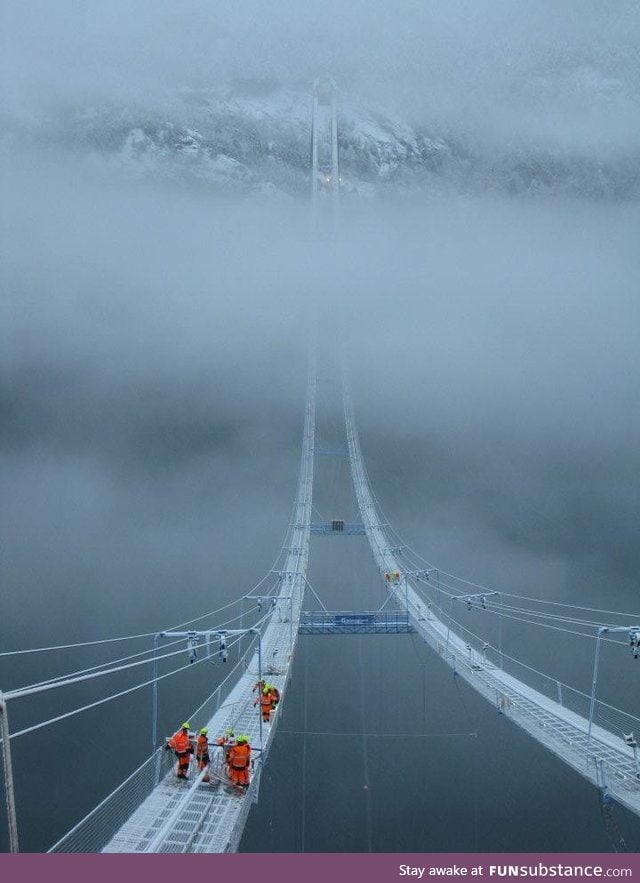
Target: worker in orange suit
{"type": "Point", "coordinates": [226, 740]}
{"type": "Point", "coordinates": [181, 745]}
{"type": "Point", "coordinates": [202, 752]}
{"type": "Point", "coordinates": [275, 696]}
{"type": "Point", "coordinates": [239, 760]}
{"type": "Point", "coordinates": [265, 703]}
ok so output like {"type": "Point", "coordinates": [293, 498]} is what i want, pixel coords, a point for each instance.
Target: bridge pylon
{"type": "Point", "coordinates": [325, 164]}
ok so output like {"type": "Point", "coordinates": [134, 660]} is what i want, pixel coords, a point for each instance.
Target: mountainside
{"type": "Point", "coordinates": [253, 138]}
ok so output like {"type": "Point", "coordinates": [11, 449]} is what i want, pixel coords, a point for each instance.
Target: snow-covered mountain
{"type": "Point", "coordinates": [255, 138]}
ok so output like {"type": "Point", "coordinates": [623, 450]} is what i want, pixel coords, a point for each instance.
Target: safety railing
{"type": "Point", "coordinates": [97, 828]}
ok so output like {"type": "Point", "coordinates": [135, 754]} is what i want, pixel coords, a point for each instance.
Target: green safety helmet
{"type": "Point", "coordinates": [186, 726]}
{"type": "Point", "coordinates": [228, 732]}
{"type": "Point", "coordinates": [204, 731]}
{"type": "Point", "coordinates": [243, 738]}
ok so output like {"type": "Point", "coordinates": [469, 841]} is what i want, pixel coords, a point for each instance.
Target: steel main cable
{"type": "Point", "coordinates": [540, 624]}
{"type": "Point", "coordinates": [443, 586]}
{"type": "Point", "coordinates": [553, 616]}
{"type": "Point", "coordinates": [151, 634]}
{"type": "Point", "coordinates": [100, 665]}
{"type": "Point", "coordinates": [432, 566]}
{"type": "Point", "coordinates": [571, 606]}
{"type": "Point", "coordinates": [112, 662]}
{"type": "Point", "coordinates": [29, 691]}
{"type": "Point", "coordinates": [78, 644]}
{"type": "Point", "coordinates": [122, 638]}
{"type": "Point", "coordinates": [558, 628]}
{"type": "Point", "coordinates": [102, 701]}
{"type": "Point", "coordinates": [517, 596]}
{"type": "Point", "coordinates": [526, 613]}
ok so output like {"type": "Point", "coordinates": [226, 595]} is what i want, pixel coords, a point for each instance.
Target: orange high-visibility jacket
{"type": "Point", "coordinates": [180, 742]}
{"type": "Point", "coordinates": [239, 756]}
{"type": "Point", "coordinates": [202, 746]}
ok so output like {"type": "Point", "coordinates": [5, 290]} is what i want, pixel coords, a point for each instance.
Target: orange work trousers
{"type": "Point", "coordinates": [239, 776]}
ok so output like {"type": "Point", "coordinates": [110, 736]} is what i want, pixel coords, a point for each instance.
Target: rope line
{"type": "Point", "coordinates": [97, 667]}
{"type": "Point", "coordinates": [122, 638]}
{"type": "Point", "coordinates": [432, 566]}
{"type": "Point", "coordinates": [102, 701]}
{"type": "Point", "coordinates": [281, 553]}
{"type": "Point", "coordinates": [134, 655]}
{"type": "Point", "coordinates": [30, 691]}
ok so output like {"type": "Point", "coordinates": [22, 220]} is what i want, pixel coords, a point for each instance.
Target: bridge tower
{"type": "Point", "coordinates": [325, 166]}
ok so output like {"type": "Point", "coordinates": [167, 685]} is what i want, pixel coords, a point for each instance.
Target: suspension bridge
{"type": "Point", "coordinates": [151, 812]}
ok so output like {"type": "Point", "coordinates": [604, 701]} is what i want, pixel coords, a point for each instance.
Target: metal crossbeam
{"type": "Point", "coordinates": [331, 452]}
{"type": "Point", "coordinates": [353, 622]}
{"type": "Point", "coordinates": [338, 528]}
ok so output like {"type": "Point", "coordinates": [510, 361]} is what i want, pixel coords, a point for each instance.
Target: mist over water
{"type": "Point", "coordinates": [154, 358]}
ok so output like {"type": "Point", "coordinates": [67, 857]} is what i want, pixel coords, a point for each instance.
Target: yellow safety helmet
{"type": "Point", "coordinates": [204, 731]}
{"type": "Point", "coordinates": [186, 726]}
{"type": "Point", "coordinates": [243, 738]}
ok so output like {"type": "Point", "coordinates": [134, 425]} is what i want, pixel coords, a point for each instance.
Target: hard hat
{"type": "Point", "coordinates": [228, 732]}
{"type": "Point", "coordinates": [265, 689]}
{"type": "Point", "coordinates": [204, 731]}
{"type": "Point", "coordinates": [243, 738]}
{"type": "Point", "coordinates": [186, 726]}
